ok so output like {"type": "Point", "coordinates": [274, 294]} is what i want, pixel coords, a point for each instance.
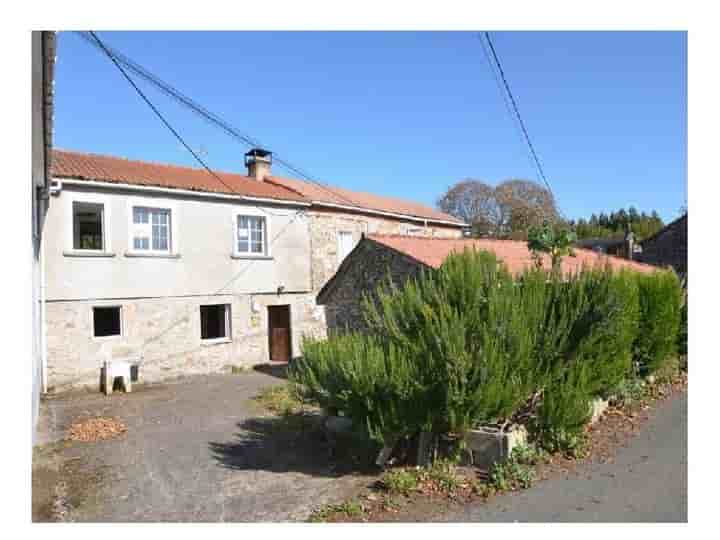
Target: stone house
{"type": "Point", "coordinates": [668, 246]}
{"type": "Point", "coordinates": [402, 258]}
{"type": "Point", "coordinates": [186, 272]}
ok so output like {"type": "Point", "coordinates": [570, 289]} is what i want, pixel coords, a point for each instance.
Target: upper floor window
{"type": "Point", "coordinates": [251, 235]}
{"type": "Point", "coordinates": [88, 226]}
{"type": "Point", "coordinates": [151, 230]}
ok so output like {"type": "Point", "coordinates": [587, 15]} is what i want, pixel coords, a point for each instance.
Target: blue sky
{"type": "Point", "coordinates": [403, 114]}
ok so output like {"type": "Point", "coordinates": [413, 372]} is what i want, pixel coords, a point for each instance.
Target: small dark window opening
{"type": "Point", "coordinates": [87, 226]}
{"type": "Point", "coordinates": [106, 321]}
{"type": "Point", "coordinates": [214, 321]}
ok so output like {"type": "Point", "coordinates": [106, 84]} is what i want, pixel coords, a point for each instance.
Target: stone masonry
{"type": "Point", "coordinates": [372, 264]}
{"type": "Point", "coordinates": [325, 225]}
{"type": "Point", "coordinates": [165, 332]}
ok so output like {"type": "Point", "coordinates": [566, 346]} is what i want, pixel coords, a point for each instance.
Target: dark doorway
{"type": "Point", "coordinates": [279, 333]}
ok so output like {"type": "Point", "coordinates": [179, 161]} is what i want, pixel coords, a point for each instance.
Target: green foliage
{"type": "Point", "coordinates": [350, 509]}
{"type": "Point", "coordinates": [443, 475]}
{"type": "Point", "coordinates": [400, 481]}
{"type": "Point", "coordinates": [467, 344]}
{"type": "Point", "coordinates": [553, 240]}
{"type": "Point", "coordinates": [616, 224]}
{"type": "Point", "coordinates": [629, 392]}
{"type": "Point", "coordinates": [591, 318]}
{"type": "Point", "coordinates": [564, 411]}
{"type": "Point", "coordinates": [683, 330]}
{"type": "Point", "coordinates": [517, 471]}
{"type": "Point", "coordinates": [283, 399]}
{"type": "Point", "coordinates": [660, 312]}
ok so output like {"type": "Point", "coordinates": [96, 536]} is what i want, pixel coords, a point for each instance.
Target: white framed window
{"type": "Point", "coordinates": [251, 235]}
{"type": "Point", "coordinates": [151, 229]}
{"type": "Point", "coordinates": [345, 244]}
{"type": "Point", "coordinates": [215, 322]}
{"type": "Point", "coordinates": [87, 225]}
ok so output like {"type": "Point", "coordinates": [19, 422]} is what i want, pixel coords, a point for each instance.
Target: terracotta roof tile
{"type": "Point", "coordinates": [66, 164]}
{"type": "Point", "coordinates": [515, 254]}
{"type": "Point", "coordinates": [362, 200]}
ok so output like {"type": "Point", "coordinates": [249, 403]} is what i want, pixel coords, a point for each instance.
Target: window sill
{"type": "Point", "coordinates": [88, 253]}
{"type": "Point", "coordinates": [244, 257]}
{"type": "Point", "coordinates": [217, 341]}
{"type": "Point", "coordinates": [152, 255]}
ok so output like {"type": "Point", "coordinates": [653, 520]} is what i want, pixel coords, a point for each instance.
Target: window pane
{"type": "Point", "coordinates": [243, 246]}
{"type": "Point", "coordinates": [256, 236]}
{"type": "Point", "coordinates": [140, 215]}
{"type": "Point", "coordinates": [87, 226]}
{"type": "Point", "coordinates": [257, 248]}
{"type": "Point", "coordinates": [242, 222]}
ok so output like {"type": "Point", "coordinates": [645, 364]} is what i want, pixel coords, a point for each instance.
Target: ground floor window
{"type": "Point", "coordinates": [215, 321]}
{"type": "Point", "coordinates": [106, 321]}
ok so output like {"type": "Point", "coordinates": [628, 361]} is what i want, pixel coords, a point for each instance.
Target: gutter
{"type": "Point", "coordinates": [176, 191]}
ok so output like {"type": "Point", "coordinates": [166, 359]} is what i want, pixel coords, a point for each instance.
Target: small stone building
{"type": "Point", "coordinates": [378, 256]}
{"type": "Point", "coordinates": [668, 246]}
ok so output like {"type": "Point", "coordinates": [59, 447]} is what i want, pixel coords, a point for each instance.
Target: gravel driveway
{"type": "Point", "coordinates": [195, 450]}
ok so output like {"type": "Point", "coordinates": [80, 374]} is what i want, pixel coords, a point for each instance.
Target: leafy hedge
{"type": "Point", "coordinates": [660, 305]}
{"type": "Point", "coordinates": [468, 344]}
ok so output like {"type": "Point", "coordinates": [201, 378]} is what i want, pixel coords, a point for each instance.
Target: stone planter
{"type": "Point", "coordinates": [489, 445]}
{"type": "Point", "coordinates": [599, 406]}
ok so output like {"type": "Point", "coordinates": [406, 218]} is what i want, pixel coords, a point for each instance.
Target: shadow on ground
{"type": "Point", "coordinates": [294, 443]}
{"type": "Point", "coordinates": [274, 370]}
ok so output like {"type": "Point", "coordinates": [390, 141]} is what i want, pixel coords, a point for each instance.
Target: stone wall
{"type": "Point", "coordinates": [166, 333]}
{"type": "Point", "coordinates": [325, 226]}
{"type": "Point", "coordinates": [367, 267]}
{"type": "Point", "coordinates": [668, 247]}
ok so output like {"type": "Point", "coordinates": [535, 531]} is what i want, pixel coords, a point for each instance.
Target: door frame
{"type": "Point", "coordinates": [290, 331]}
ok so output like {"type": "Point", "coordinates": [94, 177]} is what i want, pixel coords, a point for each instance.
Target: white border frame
{"type": "Point", "coordinates": [68, 217]}
{"type": "Point", "coordinates": [251, 212]}
{"type": "Point", "coordinates": [121, 335]}
{"type": "Point", "coordinates": [228, 324]}
{"type": "Point", "coordinates": [152, 202]}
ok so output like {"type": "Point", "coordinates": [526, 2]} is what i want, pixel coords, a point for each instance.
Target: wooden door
{"type": "Point", "coordinates": [279, 333]}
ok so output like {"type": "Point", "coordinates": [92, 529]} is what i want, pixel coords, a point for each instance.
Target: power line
{"type": "Point", "coordinates": [207, 115]}
{"type": "Point", "coordinates": [177, 135]}
{"type": "Point", "coordinates": [517, 114]}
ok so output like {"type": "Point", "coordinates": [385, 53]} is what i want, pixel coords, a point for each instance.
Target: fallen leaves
{"type": "Point", "coordinates": [96, 429]}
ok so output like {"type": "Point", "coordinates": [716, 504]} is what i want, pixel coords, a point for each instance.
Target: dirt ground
{"type": "Point", "coordinates": [197, 449]}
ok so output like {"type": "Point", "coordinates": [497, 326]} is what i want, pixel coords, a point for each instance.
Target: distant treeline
{"type": "Point", "coordinates": [617, 223]}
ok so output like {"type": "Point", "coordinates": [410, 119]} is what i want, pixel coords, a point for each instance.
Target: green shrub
{"type": "Point", "coordinates": [517, 471]}
{"type": "Point", "coordinates": [400, 481]}
{"type": "Point", "coordinates": [564, 411]}
{"type": "Point", "coordinates": [660, 302]}
{"type": "Point", "coordinates": [683, 329]}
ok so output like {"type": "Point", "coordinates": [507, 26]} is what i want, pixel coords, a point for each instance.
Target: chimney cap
{"type": "Point", "coordinates": [253, 154]}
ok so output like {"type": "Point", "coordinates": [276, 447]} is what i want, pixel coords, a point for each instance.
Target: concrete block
{"type": "Point", "coordinates": [599, 406]}
{"type": "Point", "coordinates": [490, 445]}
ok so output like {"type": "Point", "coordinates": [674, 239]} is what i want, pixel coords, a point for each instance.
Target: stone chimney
{"type": "Point", "coordinates": [258, 163]}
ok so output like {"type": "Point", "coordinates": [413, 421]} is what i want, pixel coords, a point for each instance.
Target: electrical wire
{"type": "Point", "coordinates": [516, 109]}
{"type": "Point", "coordinates": [207, 115]}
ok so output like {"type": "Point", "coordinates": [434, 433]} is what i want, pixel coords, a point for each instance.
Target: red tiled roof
{"type": "Point", "coordinates": [515, 254]}
{"type": "Point", "coordinates": [81, 166]}
{"type": "Point", "coordinates": [362, 200]}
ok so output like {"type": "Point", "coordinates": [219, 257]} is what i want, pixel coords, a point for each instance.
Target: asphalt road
{"type": "Point", "coordinates": [647, 482]}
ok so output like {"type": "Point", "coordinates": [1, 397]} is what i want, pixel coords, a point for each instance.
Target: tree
{"type": "Point", "coordinates": [507, 210]}
{"type": "Point", "coordinates": [474, 202]}
{"type": "Point", "coordinates": [556, 241]}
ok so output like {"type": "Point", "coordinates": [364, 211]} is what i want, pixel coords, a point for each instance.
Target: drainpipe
{"type": "Point", "coordinates": [43, 317]}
